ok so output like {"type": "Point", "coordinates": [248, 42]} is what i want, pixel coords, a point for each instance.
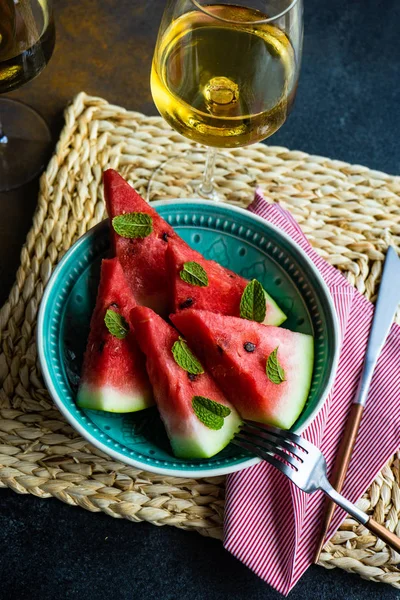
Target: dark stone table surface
{"type": "Point", "coordinates": [347, 108]}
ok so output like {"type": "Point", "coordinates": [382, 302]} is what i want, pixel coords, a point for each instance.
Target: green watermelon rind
{"type": "Point", "coordinates": [304, 380]}
{"type": "Point", "coordinates": [214, 440]}
{"type": "Point", "coordinates": [112, 400]}
{"type": "Point", "coordinates": [275, 315]}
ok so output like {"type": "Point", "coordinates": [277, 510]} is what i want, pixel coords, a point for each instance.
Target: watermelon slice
{"type": "Point", "coordinates": [265, 371]}
{"type": "Point", "coordinates": [114, 374]}
{"type": "Point", "coordinates": [142, 258]}
{"type": "Point", "coordinates": [223, 292]}
{"type": "Point", "coordinates": [199, 420]}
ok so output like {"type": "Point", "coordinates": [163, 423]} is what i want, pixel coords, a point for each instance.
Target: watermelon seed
{"type": "Point", "coordinates": [192, 376]}
{"type": "Point", "coordinates": [196, 238]}
{"type": "Point", "coordinates": [101, 346]}
{"type": "Point", "coordinates": [300, 321]}
{"type": "Point", "coordinates": [249, 346]}
{"type": "Point", "coordinates": [107, 427]}
{"type": "Point", "coordinates": [220, 349]}
{"type": "Point", "coordinates": [164, 237]}
{"type": "Point", "coordinates": [278, 281]}
{"type": "Point", "coordinates": [242, 251]}
{"type": "Point", "coordinates": [79, 298]}
{"type": "Point", "coordinates": [188, 302]}
{"type": "Point", "coordinates": [151, 452]}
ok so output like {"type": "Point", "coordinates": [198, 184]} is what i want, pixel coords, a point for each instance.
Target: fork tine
{"type": "Point", "coordinates": [288, 471]}
{"type": "Point", "coordinates": [271, 447]}
{"type": "Point", "coordinates": [285, 433]}
{"type": "Point", "coordinates": [275, 440]}
{"type": "Point", "coordinates": [282, 434]}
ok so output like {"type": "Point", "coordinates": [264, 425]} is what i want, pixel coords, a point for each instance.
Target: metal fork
{"type": "Point", "coordinates": [304, 464]}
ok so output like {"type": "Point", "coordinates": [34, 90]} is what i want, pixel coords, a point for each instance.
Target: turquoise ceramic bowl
{"type": "Point", "coordinates": [237, 239]}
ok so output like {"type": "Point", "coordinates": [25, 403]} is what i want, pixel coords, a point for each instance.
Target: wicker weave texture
{"type": "Point", "coordinates": [349, 213]}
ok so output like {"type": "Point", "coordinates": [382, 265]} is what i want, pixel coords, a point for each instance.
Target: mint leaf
{"type": "Point", "coordinates": [275, 372]}
{"type": "Point", "coordinates": [194, 274]}
{"type": "Point", "coordinates": [133, 225]}
{"type": "Point", "coordinates": [185, 358]}
{"type": "Point", "coordinates": [253, 304]}
{"type": "Point", "coordinates": [209, 412]}
{"type": "Point", "coordinates": [116, 324]}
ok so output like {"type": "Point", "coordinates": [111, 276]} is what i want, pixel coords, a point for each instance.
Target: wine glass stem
{"type": "Point", "coordinates": [206, 187]}
{"type": "Point", "coordinates": [3, 137]}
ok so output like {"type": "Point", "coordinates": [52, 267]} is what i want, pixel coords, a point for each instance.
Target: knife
{"type": "Point", "coordinates": [385, 310]}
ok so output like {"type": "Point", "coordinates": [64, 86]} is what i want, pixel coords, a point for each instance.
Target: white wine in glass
{"type": "Point", "coordinates": [225, 75]}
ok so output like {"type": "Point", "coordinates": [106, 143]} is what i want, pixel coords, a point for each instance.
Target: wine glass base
{"type": "Point", "coordinates": [208, 193]}
{"type": "Point", "coordinates": [25, 144]}
{"type": "Point", "coordinates": [181, 176]}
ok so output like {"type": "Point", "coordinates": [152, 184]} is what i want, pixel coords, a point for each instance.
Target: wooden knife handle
{"type": "Point", "coordinates": [346, 447]}
{"type": "Point", "coordinates": [384, 534]}
{"type": "Point", "coordinates": [341, 465]}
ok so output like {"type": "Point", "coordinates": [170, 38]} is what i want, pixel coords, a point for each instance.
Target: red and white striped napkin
{"type": "Point", "coordinates": [270, 525]}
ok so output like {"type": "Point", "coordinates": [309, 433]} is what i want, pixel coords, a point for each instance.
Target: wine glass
{"type": "Point", "coordinates": [225, 75]}
{"type": "Point", "coordinates": [27, 38]}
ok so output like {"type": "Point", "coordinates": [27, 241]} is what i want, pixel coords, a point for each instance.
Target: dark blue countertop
{"type": "Point", "coordinates": [50, 551]}
{"type": "Point", "coordinates": [347, 108]}
{"type": "Point", "coordinates": [348, 101]}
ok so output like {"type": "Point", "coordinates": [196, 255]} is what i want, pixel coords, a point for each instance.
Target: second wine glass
{"type": "Point", "coordinates": [225, 75]}
{"type": "Point", "coordinates": [27, 38]}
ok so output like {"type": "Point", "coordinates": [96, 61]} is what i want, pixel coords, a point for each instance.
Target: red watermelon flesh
{"type": "Point", "coordinates": [174, 390]}
{"type": "Point", "coordinates": [223, 292]}
{"type": "Point", "coordinates": [114, 376]}
{"type": "Point", "coordinates": [142, 259]}
{"type": "Point", "coordinates": [236, 352]}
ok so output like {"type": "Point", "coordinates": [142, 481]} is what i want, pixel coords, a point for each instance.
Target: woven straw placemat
{"type": "Point", "coordinates": [349, 213]}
